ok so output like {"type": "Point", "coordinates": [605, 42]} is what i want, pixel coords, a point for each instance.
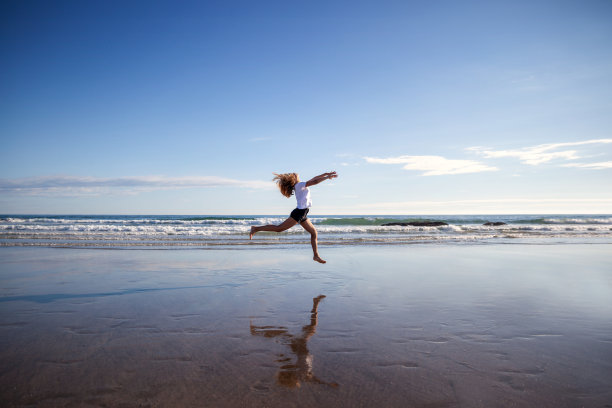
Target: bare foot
{"type": "Point", "coordinates": [315, 303]}
{"type": "Point", "coordinates": [318, 259]}
{"type": "Point", "coordinates": [252, 233]}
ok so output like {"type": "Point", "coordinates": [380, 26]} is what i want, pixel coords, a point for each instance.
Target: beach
{"type": "Point", "coordinates": [407, 325]}
{"type": "Point", "coordinates": [344, 204]}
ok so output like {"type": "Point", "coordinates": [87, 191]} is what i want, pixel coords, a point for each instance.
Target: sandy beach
{"type": "Point", "coordinates": [414, 325]}
{"type": "Point", "coordinates": [174, 176]}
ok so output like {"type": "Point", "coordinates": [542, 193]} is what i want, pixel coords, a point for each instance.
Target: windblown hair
{"type": "Point", "coordinates": [286, 182]}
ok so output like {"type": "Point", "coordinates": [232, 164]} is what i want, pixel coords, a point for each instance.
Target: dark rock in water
{"type": "Point", "coordinates": [494, 224]}
{"type": "Point", "coordinates": [416, 224]}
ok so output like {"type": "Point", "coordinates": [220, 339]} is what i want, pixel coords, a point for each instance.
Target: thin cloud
{"type": "Point", "coordinates": [544, 153]}
{"type": "Point", "coordinates": [434, 165]}
{"type": "Point", "coordinates": [260, 139]}
{"type": "Point", "coordinates": [593, 166]}
{"type": "Point", "coordinates": [73, 185]}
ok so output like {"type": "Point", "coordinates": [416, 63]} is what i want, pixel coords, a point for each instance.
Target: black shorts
{"type": "Point", "coordinates": [299, 214]}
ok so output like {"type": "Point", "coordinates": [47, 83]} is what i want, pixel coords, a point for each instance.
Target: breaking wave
{"type": "Point", "coordinates": [203, 231]}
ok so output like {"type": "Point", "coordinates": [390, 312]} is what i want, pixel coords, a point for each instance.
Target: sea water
{"type": "Point", "coordinates": [181, 231]}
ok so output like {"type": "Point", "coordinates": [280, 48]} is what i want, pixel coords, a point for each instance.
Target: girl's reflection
{"type": "Point", "coordinates": [292, 375]}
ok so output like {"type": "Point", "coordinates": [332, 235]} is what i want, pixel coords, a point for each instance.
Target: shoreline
{"type": "Point", "coordinates": [246, 244]}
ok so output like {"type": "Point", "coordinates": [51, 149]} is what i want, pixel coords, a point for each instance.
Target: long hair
{"type": "Point", "coordinates": [286, 182]}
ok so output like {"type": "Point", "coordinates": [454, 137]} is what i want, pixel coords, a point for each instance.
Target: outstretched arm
{"type": "Point", "coordinates": [321, 177]}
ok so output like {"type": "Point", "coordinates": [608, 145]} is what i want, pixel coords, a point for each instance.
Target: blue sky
{"type": "Point", "coordinates": [421, 107]}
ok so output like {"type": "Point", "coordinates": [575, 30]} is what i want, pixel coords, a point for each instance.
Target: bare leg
{"type": "Point", "coordinates": [307, 225]}
{"type": "Point", "coordinates": [309, 330]}
{"type": "Point", "coordinates": [285, 225]}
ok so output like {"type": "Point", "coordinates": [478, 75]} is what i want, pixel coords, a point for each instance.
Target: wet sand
{"type": "Point", "coordinates": [405, 326]}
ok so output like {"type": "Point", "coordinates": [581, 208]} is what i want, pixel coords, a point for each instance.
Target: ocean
{"type": "Point", "coordinates": [181, 231]}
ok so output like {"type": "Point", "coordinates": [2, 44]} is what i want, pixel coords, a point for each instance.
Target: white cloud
{"type": "Point", "coordinates": [73, 185]}
{"type": "Point", "coordinates": [535, 155]}
{"type": "Point", "coordinates": [434, 165]}
{"type": "Point", "coordinates": [594, 166]}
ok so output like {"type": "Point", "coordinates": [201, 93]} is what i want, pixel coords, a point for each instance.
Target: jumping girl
{"type": "Point", "coordinates": [288, 183]}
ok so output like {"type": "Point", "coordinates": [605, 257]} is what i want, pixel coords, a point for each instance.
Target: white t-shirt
{"type": "Point", "coordinates": [302, 195]}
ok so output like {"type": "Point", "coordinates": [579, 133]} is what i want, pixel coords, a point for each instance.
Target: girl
{"type": "Point", "coordinates": [288, 183]}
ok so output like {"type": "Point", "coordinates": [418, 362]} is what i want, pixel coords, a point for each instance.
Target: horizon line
{"type": "Point", "coordinates": [315, 215]}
